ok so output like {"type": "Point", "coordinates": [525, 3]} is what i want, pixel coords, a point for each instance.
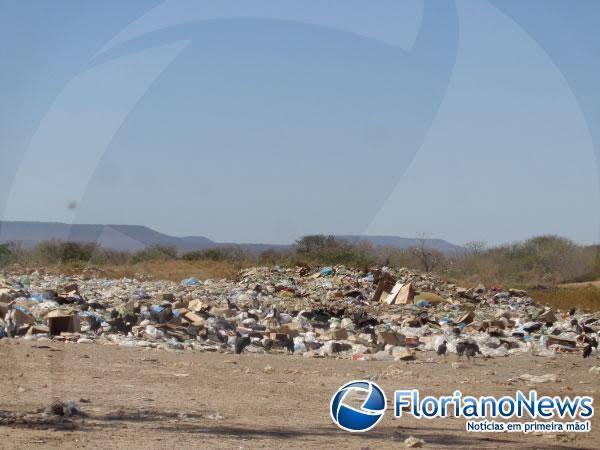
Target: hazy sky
{"type": "Point", "coordinates": [260, 121]}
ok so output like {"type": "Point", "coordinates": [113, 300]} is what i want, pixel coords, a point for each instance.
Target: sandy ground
{"type": "Point", "coordinates": [144, 398]}
{"type": "Point", "coordinates": [581, 284]}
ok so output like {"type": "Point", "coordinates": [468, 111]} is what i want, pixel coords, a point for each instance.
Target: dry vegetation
{"type": "Point", "coordinates": [177, 270]}
{"type": "Point", "coordinates": [174, 270]}
{"type": "Point", "coordinates": [585, 297]}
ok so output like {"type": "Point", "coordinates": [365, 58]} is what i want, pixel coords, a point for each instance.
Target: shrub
{"type": "Point", "coordinates": [55, 251]}
{"type": "Point", "coordinates": [230, 253]}
{"type": "Point", "coordinates": [109, 256]}
{"type": "Point", "coordinates": [7, 255]}
{"type": "Point", "coordinates": [320, 249]}
{"type": "Point", "coordinates": [155, 252]}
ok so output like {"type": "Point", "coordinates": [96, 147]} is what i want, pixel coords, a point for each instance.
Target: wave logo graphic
{"type": "Point", "coordinates": [361, 418]}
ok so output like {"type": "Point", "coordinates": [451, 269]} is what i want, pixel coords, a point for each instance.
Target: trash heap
{"type": "Point", "coordinates": [386, 314]}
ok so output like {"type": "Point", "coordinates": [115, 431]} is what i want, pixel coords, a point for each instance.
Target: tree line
{"type": "Point", "coordinates": [541, 260]}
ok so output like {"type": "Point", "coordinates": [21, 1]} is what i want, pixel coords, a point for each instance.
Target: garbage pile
{"type": "Point", "coordinates": [386, 314]}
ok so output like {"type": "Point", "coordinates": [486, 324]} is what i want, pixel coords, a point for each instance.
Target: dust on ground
{"type": "Point", "coordinates": [148, 398]}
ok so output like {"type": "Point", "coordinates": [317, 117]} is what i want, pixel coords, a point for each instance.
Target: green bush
{"type": "Point", "coordinates": [55, 251]}
{"type": "Point", "coordinates": [542, 260]}
{"type": "Point", "coordinates": [320, 250]}
{"type": "Point", "coordinates": [232, 253]}
{"type": "Point", "coordinates": [270, 258]}
{"type": "Point", "coordinates": [7, 256]}
{"type": "Point", "coordinates": [155, 252]}
{"type": "Point", "coordinates": [109, 256]}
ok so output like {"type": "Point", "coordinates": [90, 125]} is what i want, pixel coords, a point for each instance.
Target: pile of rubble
{"type": "Point", "coordinates": [333, 311]}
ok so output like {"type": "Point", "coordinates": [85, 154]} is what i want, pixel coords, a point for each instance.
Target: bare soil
{"type": "Point", "coordinates": [145, 398]}
{"type": "Point", "coordinates": [581, 284]}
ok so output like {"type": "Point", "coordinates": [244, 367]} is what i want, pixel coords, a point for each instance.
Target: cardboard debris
{"type": "Point", "coordinates": [338, 334]}
{"type": "Point", "coordinates": [70, 289]}
{"type": "Point", "coordinates": [404, 355]}
{"type": "Point", "coordinates": [224, 312]}
{"type": "Point", "coordinates": [345, 314]}
{"type": "Point", "coordinates": [390, 338]}
{"type": "Point", "coordinates": [466, 318]}
{"type": "Point", "coordinates": [385, 283]}
{"type": "Point", "coordinates": [565, 342]}
{"type": "Point", "coordinates": [3, 309]}
{"type": "Point", "coordinates": [6, 295]}
{"type": "Point", "coordinates": [548, 316]}
{"type": "Point", "coordinates": [63, 322]}
{"type": "Point", "coordinates": [22, 318]}
{"type": "Point", "coordinates": [401, 294]}
{"type": "Point", "coordinates": [197, 305]}
{"type": "Point", "coordinates": [549, 377]}
{"type": "Point", "coordinates": [412, 341]}
{"type": "Point", "coordinates": [294, 329]}
{"type": "Point", "coordinates": [38, 329]}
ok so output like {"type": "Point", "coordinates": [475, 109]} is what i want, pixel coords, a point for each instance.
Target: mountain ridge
{"type": "Point", "coordinates": [137, 237]}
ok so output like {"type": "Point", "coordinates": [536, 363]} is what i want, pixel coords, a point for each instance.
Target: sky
{"type": "Point", "coordinates": [261, 121]}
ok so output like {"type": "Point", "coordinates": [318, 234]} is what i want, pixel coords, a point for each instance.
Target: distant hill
{"type": "Point", "coordinates": [137, 237]}
{"type": "Point", "coordinates": [118, 237]}
{"type": "Point", "coordinates": [402, 243]}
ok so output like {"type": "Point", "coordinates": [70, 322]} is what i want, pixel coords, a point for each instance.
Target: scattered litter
{"type": "Point", "coordinates": [190, 281]}
{"type": "Point", "coordinates": [459, 365]}
{"type": "Point", "coordinates": [387, 314]}
{"type": "Point", "coordinates": [66, 409]}
{"type": "Point", "coordinates": [549, 377]}
{"type": "Point", "coordinates": [413, 442]}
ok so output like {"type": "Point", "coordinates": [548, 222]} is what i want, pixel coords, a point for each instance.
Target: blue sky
{"type": "Point", "coordinates": [260, 121]}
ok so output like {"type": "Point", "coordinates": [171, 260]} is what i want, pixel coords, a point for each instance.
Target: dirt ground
{"type": "Point", "coordinates": [146, 398]}
{"type": "Point", "coordinates": [581, 284]}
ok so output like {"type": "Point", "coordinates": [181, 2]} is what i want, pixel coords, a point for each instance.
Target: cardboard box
{"type": "Point", "coordinates": [62, 322]}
